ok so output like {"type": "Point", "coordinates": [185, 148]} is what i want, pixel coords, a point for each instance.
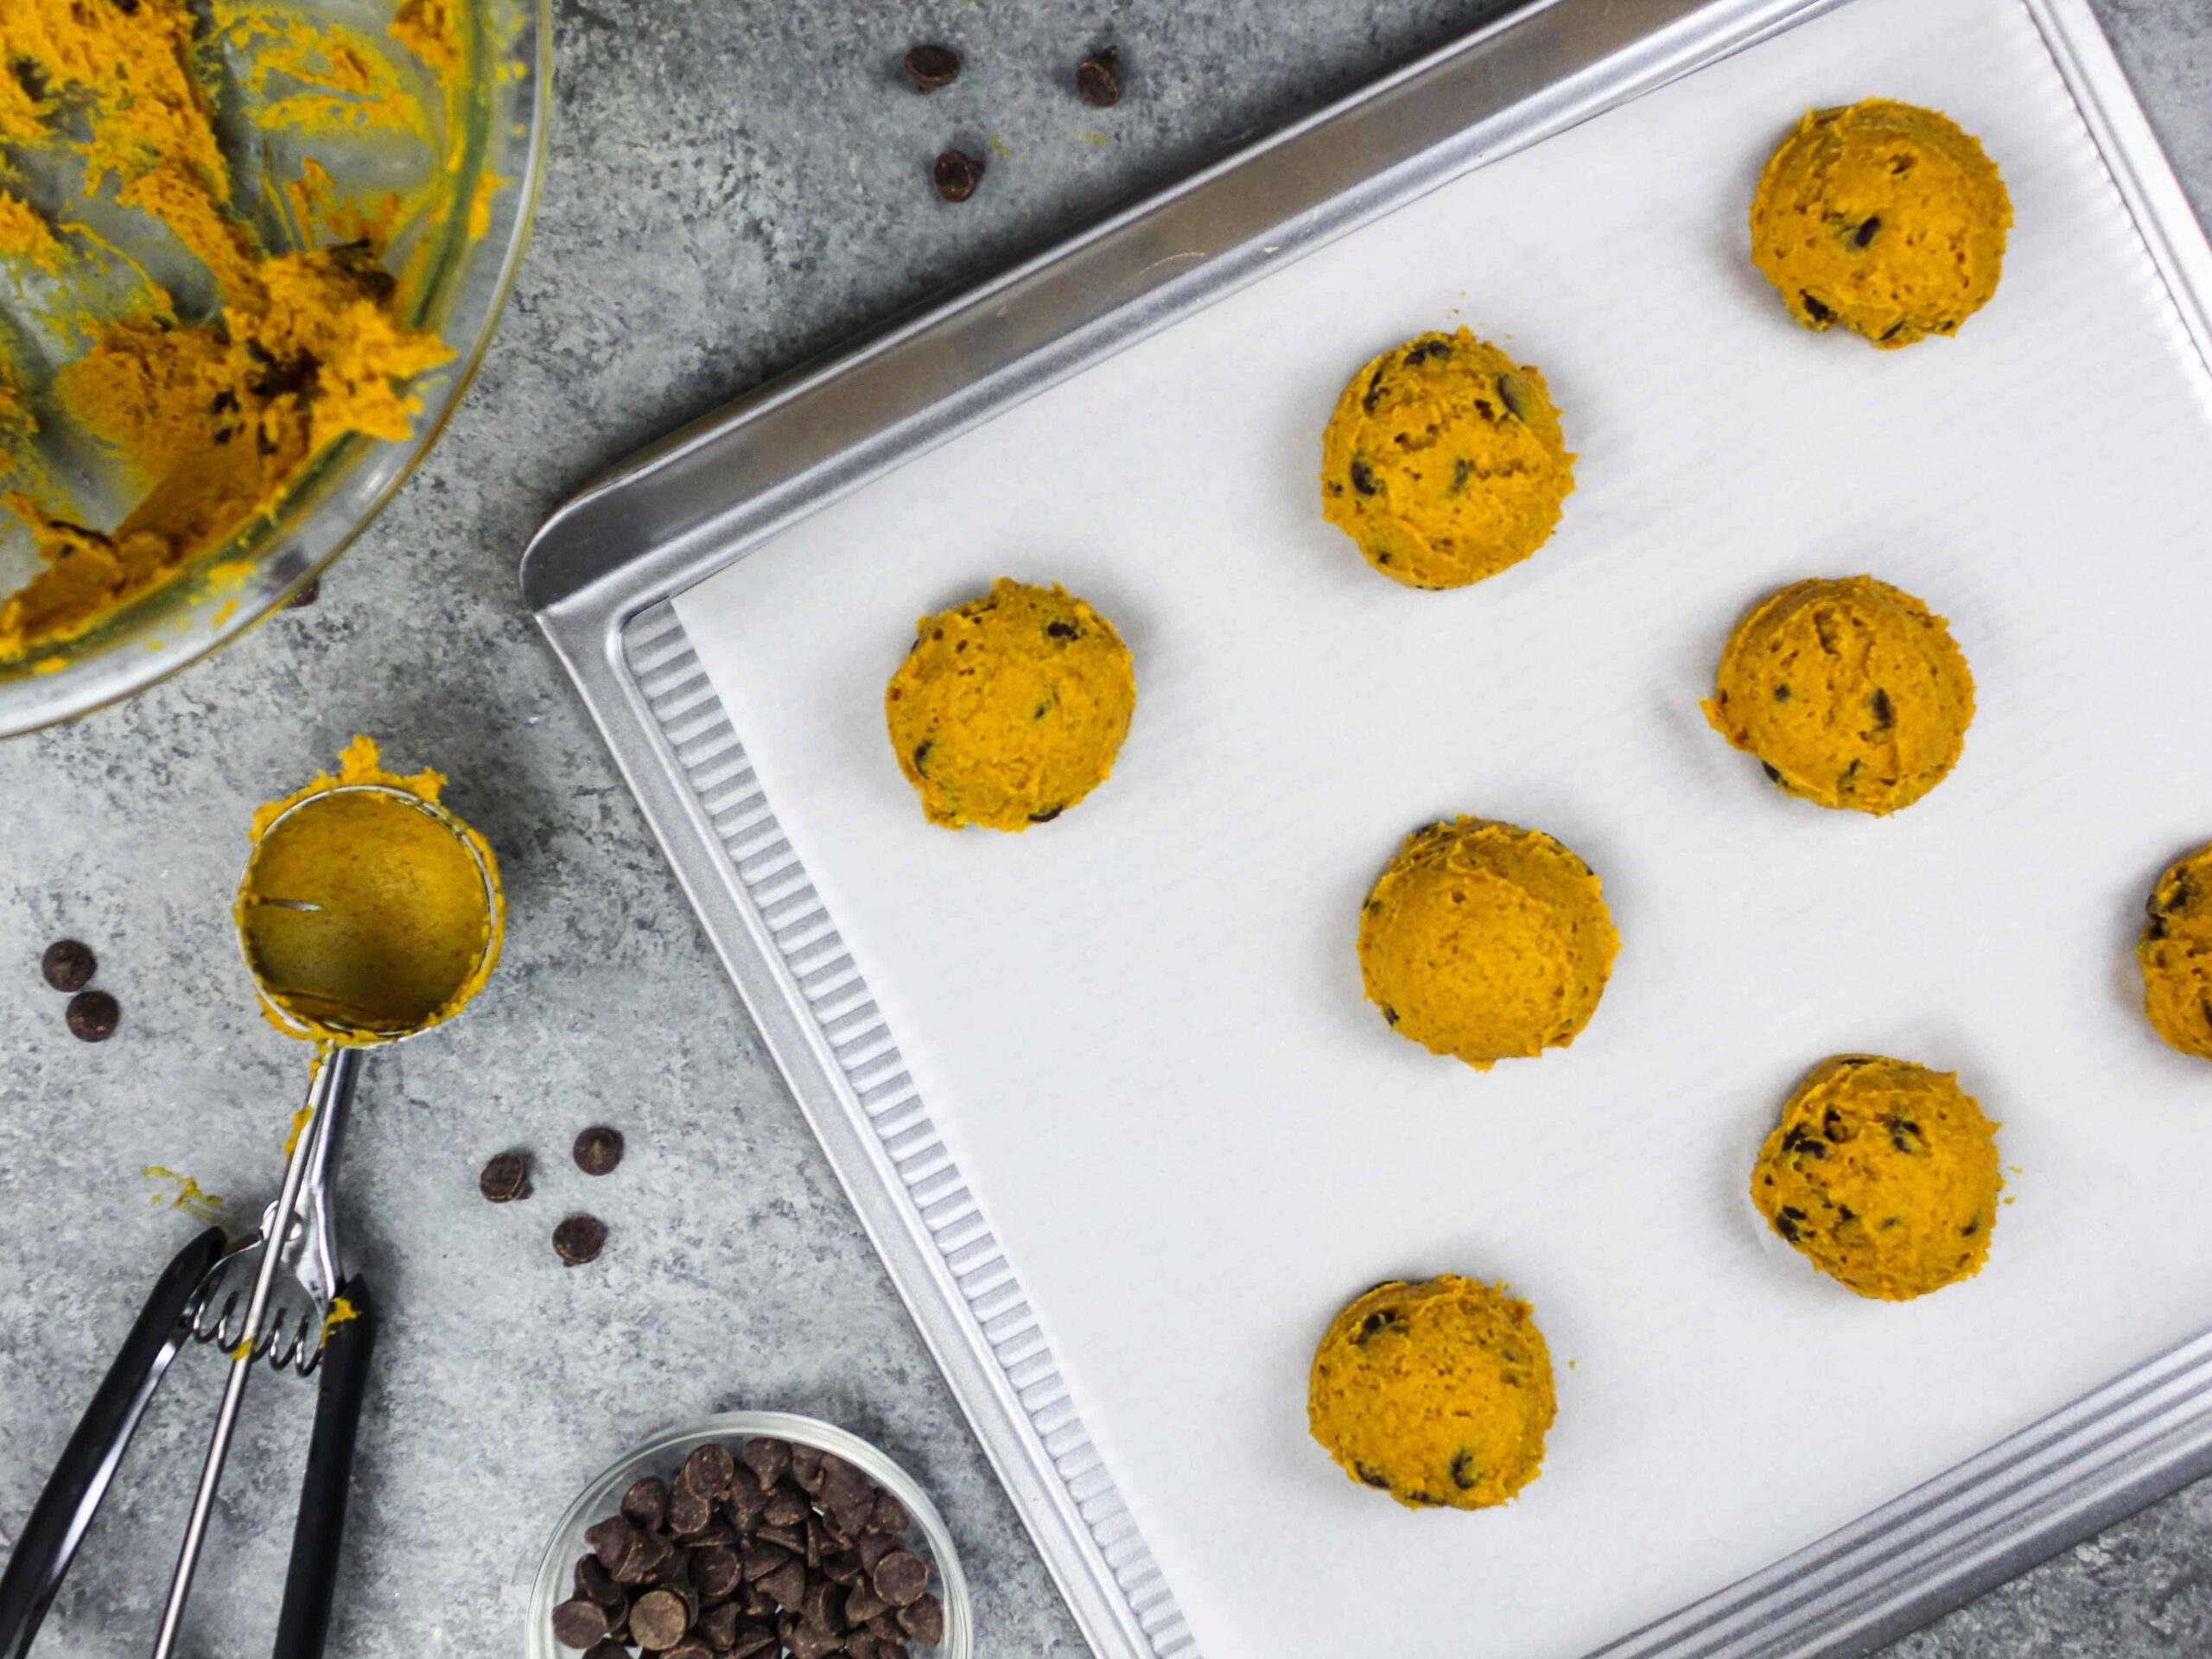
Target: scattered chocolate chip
{"type": "Point", "coordinates": [1046, 814]}
{"type": "Point", "coordinates": [957, 175]}
{"type": "Point", "coordinates": [68, 965]}
{"type": "Point", "coordinates": [1886, 713]}
{"type": "Point", "coordinates": [933, 67]}
{"type": "Point", "coordinates": [1098, 80]}
{"type": "Point", "coordinates": [1894, 329]}
{"type": "Point", "coordinates": [1814, 308]}
{"type": "Point", "coordinates": [93, 1016]}
{"type": "Point", "coordinates": [580, 1239]}
{"type": "Point", "coordinates": [1374, 393]}
{"type": "Point", "coordinates": [1462, 470]}
{"type": "Point", "coordinates": [1868, 231]}
{"type": "Point", "coordinates": [1518, 397]}
{"type": "Point", "coordinates": [1786, 1221]}
{"type": "Point", "coordinates": [598, 1150]}
{"type": "Point", "coordinates": [924, 1619]}
{"type": "Point", "coordinates": [305, 595]}
{"type": "Point", "coordinates": [1773, 773]}
{"type": "Point", "coordinates": [1466, 1474]}
{"type": "Point", "coordinates": [659, 1619]}
{"type": "Point", "coordinates": [1381, 1320]}
{"type": "Point", "coordinates": [900, 1578]}
{"type": "Point", "coordinates": [506, 1177]}
{"type": "Point", "coordinates": [1061, 629]}
{"type": "Point", "coordinates": [1362, 478]}
{"type": "Point", "coordinates": [922, 754]}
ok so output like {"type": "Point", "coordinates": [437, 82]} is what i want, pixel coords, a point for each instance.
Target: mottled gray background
{"type": "Point", "coordinates": [733, 187]}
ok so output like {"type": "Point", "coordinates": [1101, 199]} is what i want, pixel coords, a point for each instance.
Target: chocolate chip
{"type": "Point", "coordinates": [93, 1016]}
{"type": "Point", "coordinates": [1381, 1320]}
{"type": "Point", "coordinates": [68, 965]}
{"type": "Point", "coordinates": [819, 1606]}
{"type": "Point", "coordinates": [1362, 478]}
{"type": "Point", "coordinates": [610, 1649]}
{"type": "Point", "coordinates": [812, 1642]}
{"type": "Point", "coordinates": [957, 175]}
{"type": "Point", "coordinates": [610, 1539]}
{"type": "Point", "coordinates": [1833, 1127]}
{"type": "Point", "coordinates": [768, 1460]}
{"type": "Point", "coordinates": [1462, 470]}
{"type": "Point", "coordinates": [786, 1584]}
{"type": "Point", "coordinates": [646, 1502]}
{"type": "Point", "coordinates": [922, 754]}
{"type": "Point", "coordinates": [1466, 1474]}
{"type": "Point", "coordinates": [786, 1508]}
{"type": "Point", "coordinates": [1786, 1221]}
{"type": "Point", "coordinates": [844, 1568]}
{"type": "Point", "coordinates": [923, 1620]}
{"type": "Point", "coordinates": [1971, 1227]}
{"type": "Point", "coordinates": [579, 1623]}
{"type": "Point", "coordinates": [745, 1499]}
{"type": "Point", "coordinates": [719, 1626]}
{"type": "Point", "coordinates": [1886, 713]}
{"type": "Point", "coordinates": [305, 595]}
{"type": "Point", "coordinates": [754, 1639]}
{"type": "Point", "coordinates": [1046, 814]}
{"type": "Point", "coordinates": [900, 1578]}
{"type": "Point", "coordinates": [792, 1539]}
{"type": "Point", "coordinates": [1374, 394]}
{"type": "Point", "coordinates": [1902, 1133]}
{"type": "Point", "coordinates": [592, 1582]}
{"type": "Point", "coordinates": [1894, 329]}
{"type": "Point", "coordinates": [506, 1177]}
{"type": "Point", "coordinates": [580, 1239]}
{"type": "Point", "coordinates": [933, 67]}
{"type": "Point", "coordinates": [689, 1511]}
{"type": "Point", "coordinates": [714, 1570]}
{"type": "Point", "coordinates": [598, 1150]}
{"type": "Point", "coordinates": [1516, 394]}
{"type": "Point", "coordinates": [1773, 773]}
{"type": "Point", "coordinates": [1782, 694]}
{"type": "Point", "coordinates": [691, 1648]}
{"type": "Point", "coordinates": [757, 1561]}
{"type": "Point", "coordinates": [709, 1470]}
{"type": "Point", "coordinates": [1061, 630]}
{"type": "Point", "coordinates": [1098, 80]}
{"type": "Point", "coordinates": [873, 1549]}
{"type": "Point", "coordinates": [1815, 309]}
{"type": "Point", "coordinates": [864, 1604]}
{"type": "Point", "coordinates": [889, 1515]}
{"type": "Point", "coordinates": [1868, 231]}
{"type": "Point", "coordinates": [659, 1619]}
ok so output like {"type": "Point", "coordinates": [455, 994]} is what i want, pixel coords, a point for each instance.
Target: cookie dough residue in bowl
{"type": "Point", "coordinates": [1849, 692]}
{"type": "Point", "coordinates": [1438, 1393]}
{"type": "Point", "coordinates": [1884, 1175]}
{"type": "Point", "coordinates": [1884, 219]}
{"type": "Point", "coordinates": [1011, 708]}
{"type": "Point", "coordinates": [1486, 941]}
{"type": "Point", "coordinates": [2176, 955]}
{"type": "Point", "coordinates": [1445, 462]}
{"type": "Point", "coordinates": [170, 309]}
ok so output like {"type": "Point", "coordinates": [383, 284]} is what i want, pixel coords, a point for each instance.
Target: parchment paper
{"type": "Point", "coordinates": [1141, 1027]}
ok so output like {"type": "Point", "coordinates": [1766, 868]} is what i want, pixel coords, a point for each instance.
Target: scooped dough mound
{"type": "Point", "coordinates": [1486, 941]}
{"type": "Point", "coordinates": [1849, 692]}
{"type": "Point", "coordinates": [1438, 1393]}
{"type": "Point", "coordinates": [1885, 218]}
{"type": "Point", "coordinates": [1445, 462]}
{"type": "Point", "coordinates": [2176, 954]}
{"type": "Point", "coordinates": [1010, 709]}
{"type": "Point", "coordinates": [1884, 1174]}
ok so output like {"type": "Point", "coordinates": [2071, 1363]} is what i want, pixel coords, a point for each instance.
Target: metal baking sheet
{"type": "Point", "coordinates": [1124, 1151]}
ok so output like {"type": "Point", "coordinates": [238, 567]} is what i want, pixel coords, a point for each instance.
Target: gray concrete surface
{"type": "Point", "coordinates": [733, 187]}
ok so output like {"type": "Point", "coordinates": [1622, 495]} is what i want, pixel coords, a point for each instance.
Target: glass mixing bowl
{"type": "Point", "coordinates": [664, 1455]}
{"type": "Point", "coordinates": [477, 160]}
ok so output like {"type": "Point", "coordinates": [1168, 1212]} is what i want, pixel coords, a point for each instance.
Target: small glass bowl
{"type": "Point", "coordinates": [664, 1455]}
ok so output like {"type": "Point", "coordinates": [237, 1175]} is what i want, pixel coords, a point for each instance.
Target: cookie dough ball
{"type": "Point", "coordinates": [1884, 1174]}
{"type": "Point", "coordinates": [1445, 462]}
{"type": "Point", "coordinates": [1849, 692]}
{"type": "Point", "coordinates": [1010, 709]}
{"type": "Point", "coordinates": [1437, 1393]}
{"type": "Point", "coordinates": [1486, 941]}
{"type": "Point", "coordinates": [2176, 954]}
{"type": "Point", "coordinates": [1885, 218]}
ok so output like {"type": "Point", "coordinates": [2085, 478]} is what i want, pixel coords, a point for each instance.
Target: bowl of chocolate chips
{"type": "Point", "coordinates": [752, 1535]}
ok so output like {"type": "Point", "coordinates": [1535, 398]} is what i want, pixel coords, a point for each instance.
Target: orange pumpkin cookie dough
{"type": "Point", "coordinates": [1010, 709]}
{"type": "Point", "coordinates": [1486, 941]}
{"type": "Point", "coordinates": [2176, 955]}
{"type": "Point", "coordinates": [211, 400]}
{"type": "Point", "coordinates": [1445, 462]}
{"type": "Point", "coordinates": [1883, 1174]}
{"type": "Point", "coordinates": [1849, 692]}
{"type": "Point", "coordinates": [1438, 1393]}
{"type": "Point", "coordinates": [1882, 217]}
